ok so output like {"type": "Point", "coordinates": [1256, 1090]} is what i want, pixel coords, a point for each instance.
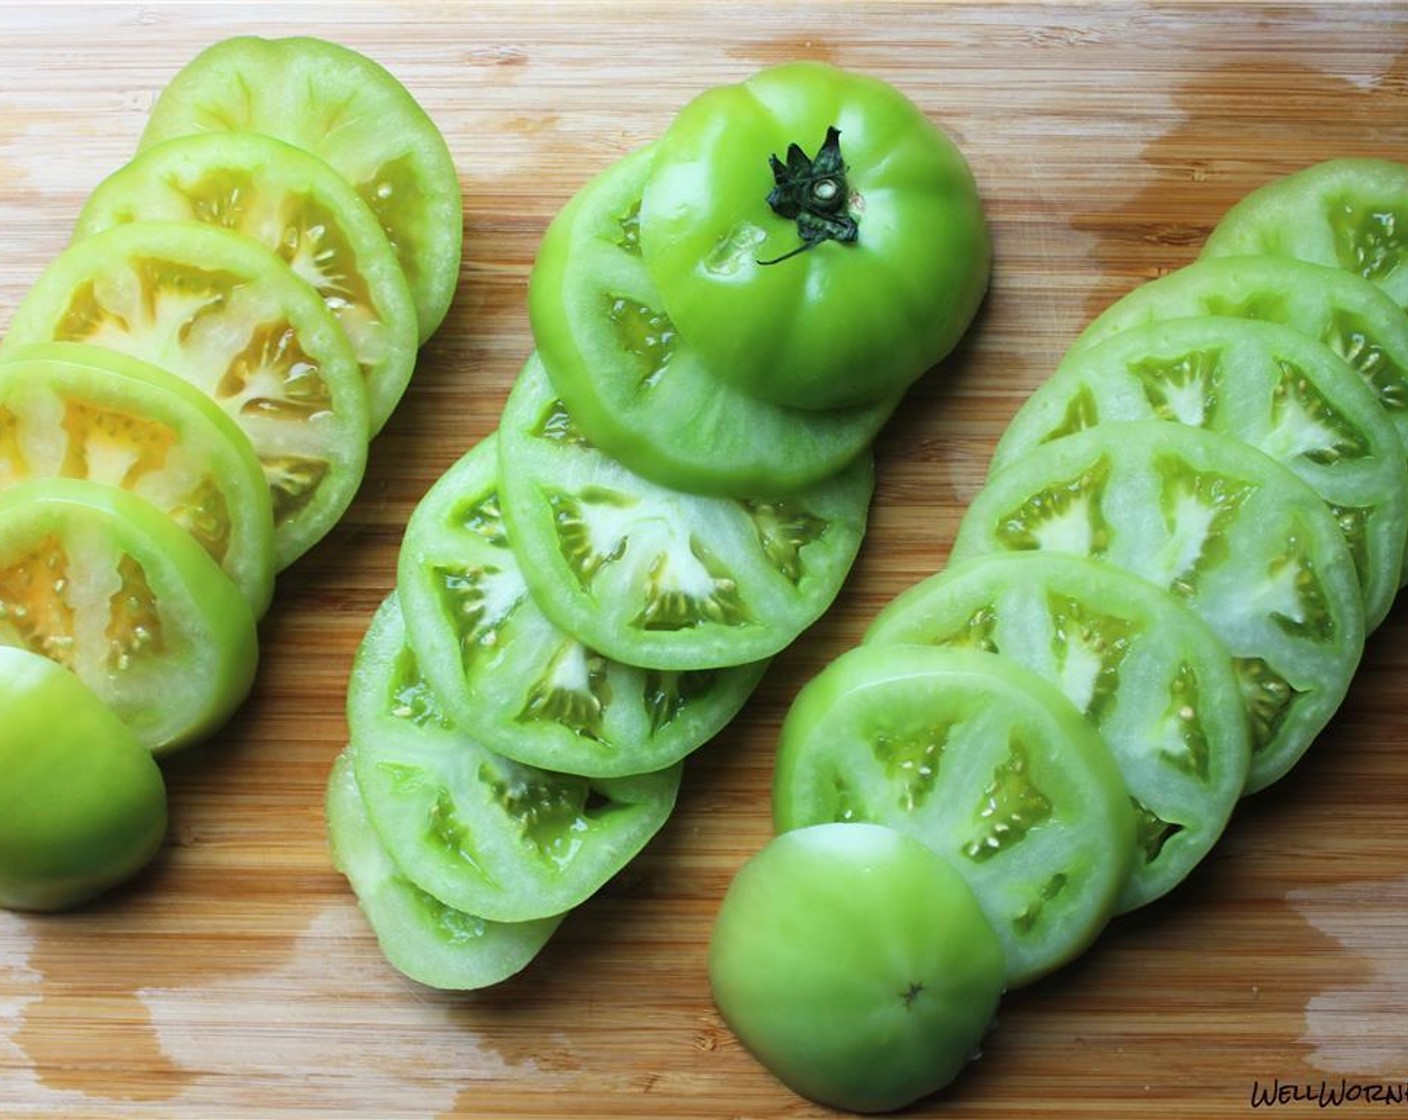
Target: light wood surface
{"type": "Point", "coordinates": [236, 977]}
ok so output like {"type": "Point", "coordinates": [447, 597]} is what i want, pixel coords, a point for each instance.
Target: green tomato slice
{"type": "Point", "coordinates": [102, 582]}
{"type": "Point", "coordinates": [660, 578]}
{"type": "Point", "coordinates": [856, 965]}
{"type": "Point", "coordinates": [483, 834]}
{"type": "Point", "coordinates": [1145, 671]}
{"type": "Point", "coordinates": [529, 690]}
{"type": "Point", "coordinates": [353, 114]}
{"type": "Point", "coordinates": [843, 322]}
{"type": "Point", "coordinates": [76, 411]}
{"type": "Point", "coordinates": [299, 209]}
{"type": "Point", "coordinates": [1343, 213]}
{"type": "Point", "coordinates": [231, 318]}
{"type": "Point", "coordinates": [419, 935]}
{"type": "Point", "coordinates": [1263, 383]}
{"type": "Point", "coordinates": [986, 763]}
{"type": "Point", "coordinates": [638, 390]}
{"type": "Point", "coordinates": [1235, 535]}
{"type": "Point", "coordinates": [1347, 313]}
{"type": "Point", "coordinates": [83, 803]}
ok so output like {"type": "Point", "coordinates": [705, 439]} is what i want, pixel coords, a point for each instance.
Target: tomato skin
{"type": "Point", "coordinates": [856, 965]}
{"type": "Point", "coordinates": [841, 323]}
{"type": "Point", "coordinates": [83, 804]}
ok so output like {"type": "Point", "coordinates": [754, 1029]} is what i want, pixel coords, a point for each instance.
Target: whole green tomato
{"type": "Point", "coordinates": [82, 801]}
{"type": "Point", "coordinates": [814, 236]}
{"type": "Point", "coordinates": [856, 965]}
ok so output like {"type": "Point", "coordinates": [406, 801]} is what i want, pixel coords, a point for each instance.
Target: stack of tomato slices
{"type": "Point", "coordinates": [1152, 607]}
{"type": "Point", "coordinates": [677, 488]}
{"type": "Point", "coordinates": [188, 390]}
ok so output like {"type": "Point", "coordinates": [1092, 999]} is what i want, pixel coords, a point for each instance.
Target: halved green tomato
{"type": "Point", "coordinates": [1229, 531]}
{"type": "Point", "coordinates": [1263, 383]}
{"type": "Point", "coordinates": [238, 323]}
{"type": "Point", "coordinates": [642, 393]}
{"type": "Point", "coordinates": [296, 207]}
{"type": "Point", "coordinates": [104, 583]}
{"type": "Point", "coordinates": [75, 411]}
{"type": "Point", "coordinates": [657, 577]}
{"type": "Point", "coordinates": [1143, 669]}
{"type": "Point", "coordinates": [483, 834]}
{"type": "Point", "coordinates": [424, 939]}
{"type": "Point", "coordinates": [1349, 314]}
{"type": "Point", "coordinates": [987, 764]}
{"type": "Point", "coordinates": [352, 113]}
{"type": "Point", "coordinates": [1344, 213]}
{"type": "Point", "coordinates": [529, 690]}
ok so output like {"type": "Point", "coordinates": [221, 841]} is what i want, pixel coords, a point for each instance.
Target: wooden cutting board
{"type": "Point", "coordinates": [237, 979]}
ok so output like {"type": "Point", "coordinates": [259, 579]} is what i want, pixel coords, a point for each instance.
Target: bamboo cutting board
{"type": "Point", "coordinates": [236, 977]}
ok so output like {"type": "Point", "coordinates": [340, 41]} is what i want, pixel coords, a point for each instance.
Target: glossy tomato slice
{"type": "Point", "coordinates": [1231, 532]}
{"type": "Point", "coordinates": [350, 112]}
{"type": "Point", "coordinates": [530, 691]}
{"type": "Point", "coordinates": [1263, 383]}
{"type": "Point", "coordinates": [297, 207]}
{"type": "Point", "coordinates": [1346, 312]}
{"type": "Point", "coordinates": [661, 578]}
{"type": "Point", "coordinates": [483, 834]}
{"type": "Point", "coordinates": [638, 390]}
{"type": "Point", "coordinates": [77, 411]}
{"type": "Point", "coordinates": [235, 321]}
{"type": "Point", "coordinates": [743, 180]}
{"type": "Point", "coordinates": [1144, 670]}
{"type": "Point", "coordinates": [423, 938]}
{"type": "Point", "coordinates": [101, 581]}
{"type": "Point", "coordinates": [1344, 213]}
{"type": "Point", "coordinates": [986, 763]}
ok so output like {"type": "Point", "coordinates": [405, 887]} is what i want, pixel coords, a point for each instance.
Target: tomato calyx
{"type": "Point", "coordinates": [814, 194]}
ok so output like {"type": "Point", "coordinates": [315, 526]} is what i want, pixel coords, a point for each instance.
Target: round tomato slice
{"type": "Point", "coordinates": [1269, 386]}
{"type": "Point", "coordinates": [530, 691]}
{"type": "Point", "coordinates": [424, 939]}
{"type": "Point", "coordinates": [483, 834]}
{"type": "Point", "coordinates": [814, 236]}
{"type": "Point", "coordinates": [1346, 312]}
{"type": "Point", "coordinates": [353, 114]}
{"type": "Point", "coordinates": [296, 207]}
{"type": "Point", "coordinates": [640, 391]}
{"type": "Point", "coordinates": [660, 578]}
{"type": "Point", "coordinates": [1143, 669]}
{"type": "Point", "coordinates": [1344, 213]}
{"type": "Point", "coordinates": [987, 764]}
{"type": "Point", "coordinates": [76, 411]}
{"type": "Point", "coordinates": [1231, 532]}
{"type": "Point", "coordinates": [107, 585]}
{"type": "Point", "coordinates": [238, 323]}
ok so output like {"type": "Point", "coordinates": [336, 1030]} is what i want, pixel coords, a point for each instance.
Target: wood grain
{"type": "Point", "coordinates": [236, 978]}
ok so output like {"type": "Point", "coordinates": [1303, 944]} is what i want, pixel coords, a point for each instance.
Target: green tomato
{"type": "Point", "coordinates": [856, 965]}
{"type": "Point", "coordinates": [83, 805]}
{"type": "Point", "coordinates": [835, 279]}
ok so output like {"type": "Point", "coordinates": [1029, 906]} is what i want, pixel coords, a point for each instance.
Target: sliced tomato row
{"type": "Point", "coordinates": [1160, 595]}
{"type": "Point", "coordinates": [188, 390]}
{"type": "Point", "coordinates": [593, 591]}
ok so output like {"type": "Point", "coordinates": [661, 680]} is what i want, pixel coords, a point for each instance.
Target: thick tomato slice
{"type": "Point", "coordinates": [986, 763]}
{"type": "Point", "coordinates": [104, 583]}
